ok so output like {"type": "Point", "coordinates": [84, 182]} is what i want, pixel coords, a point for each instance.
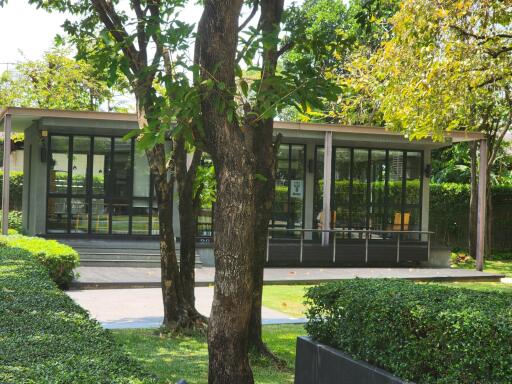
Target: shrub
{"type": "Point", "coordinates": [15, 221]}
{"type": "Point", "coordinates": [46, 338]}
{"type": "Point", "coordinates": [425, 333]}
{"type": "Point", "coordinates": [59, 259]}
{"type": "Point", "coordinates": [15, 188]}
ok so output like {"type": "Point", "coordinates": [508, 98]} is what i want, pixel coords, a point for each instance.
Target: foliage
{"type": "Point", "coordinates": [172, 357]}
{"type": "Point", "coordinates": [15, 189]}
{"type": "Point", "coordinates": [446, 66]}
{"type": "Point", "coordinates": [420, 332]}
{"type": "Point", "coordinates": [449, 210]}
{"type": "Point", "coordinates": [15, 221]}
{"type": "Point", "coordinates": [47, 338]}
{"type": "Point", "coordinates": [59, 259]}
{"type": "Point", "coordinates": [54, 82]}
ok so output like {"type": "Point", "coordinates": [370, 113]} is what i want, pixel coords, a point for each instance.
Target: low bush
{"type": "Point", "coordinates": [15, 221]}
{"type": "Point", "coordinates": [425, 333]}
{"type": "Point", "coordinates": [59, 259]}
{"type": "Point", "coordinates": [46, 338]}
{"type": "Point", "coordinates": [15, 188]}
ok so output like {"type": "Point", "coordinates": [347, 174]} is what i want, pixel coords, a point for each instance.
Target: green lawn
{"type": "Point", "coordinates": [186, 357]}
{"type": "Point", "coordinates": [285, 298]}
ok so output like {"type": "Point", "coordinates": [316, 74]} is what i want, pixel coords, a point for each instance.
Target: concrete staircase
{"type": "Point", "coordinates": [119, 253]}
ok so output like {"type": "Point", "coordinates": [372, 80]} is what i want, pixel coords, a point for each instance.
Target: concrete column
{"type": "Point", "coordinates": [5, 184]}
{"type": "Point", "coordinates": [482, 206]}
{"type": "Point", "coordinates": [327, 187]}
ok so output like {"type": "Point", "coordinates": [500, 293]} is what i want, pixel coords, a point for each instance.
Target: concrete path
{"type": "Point", "coordinates": [126, 277]}
{"type": "Point", "coordinates": [142, 308]}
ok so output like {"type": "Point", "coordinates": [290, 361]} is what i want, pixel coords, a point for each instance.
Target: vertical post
{"type": "Point", "coordinates": [326, 224]}
{"type": "Point", "coordinates": [7, 166]}
{"type": "Point", "coordinates": [482, 205]}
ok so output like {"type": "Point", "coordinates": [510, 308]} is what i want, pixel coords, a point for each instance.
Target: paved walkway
{"type": "Point", "coordinates": [126, 277]}
{"type": "Point", "coordinates": [142, 308]}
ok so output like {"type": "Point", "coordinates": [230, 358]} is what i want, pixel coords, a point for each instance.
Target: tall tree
{"type": "Point", "coordinates": [447, 66]}
{"type": "Point", "coordinates": [56, 81]}
{"type": "Point", "coordinates": [134, 41]}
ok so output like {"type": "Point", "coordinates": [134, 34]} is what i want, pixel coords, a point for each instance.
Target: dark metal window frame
{"type": "Point", "coordinates": [107, 196]}
{"type": "Point", "coordinates": [386, 205]}
{"type": "Point", "coordinates": [272, 223]}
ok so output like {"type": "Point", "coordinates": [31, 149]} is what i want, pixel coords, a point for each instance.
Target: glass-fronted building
{"type": "Point", "coordinates": [369, 191]}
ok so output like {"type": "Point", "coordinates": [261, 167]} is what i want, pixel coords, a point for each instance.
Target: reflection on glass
{"type": "Point", "coordinates": [296, 176]}
{"type": "Point", "coordinates": [99, 216]}
{"type": "Point", "coordinates": [57, 215]}
{"type": "Point", "coordinates": [359, 188]}
{"type": "Point", "coordinates": [319, 185]}
{"type": "Point", "coordinates": [79, 216]}
{"type": "Point", "coordinates": [396, 163]}
{"type": "Point", "coordinates": [140, 216]}
{"type": "Point", "coordinates": [140, 175]}
{"type": "Point", "coordinates": [155, 222]}
{"type": "Point", "coordinates": [377, 189]}
{"type": "Point", "coordinates": [280, 210]}
{"type": "Point", "coordinates": [412, 182]}
{"type": "Point", "coordinates": [120, 171]}
{"type": "Point", "coordinates": [59, 164]}
{"type": "Point", "coordinates": [120, 217]}
{"type": "Point", "coordinates": [342, 187]}
{"type": "Point", "coordinates": [100, 164]}
{"type": "Point", "coordinates": [81, 148]}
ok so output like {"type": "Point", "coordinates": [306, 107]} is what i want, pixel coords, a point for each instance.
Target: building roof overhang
{"type": "Point", "coordinates": [22, 118]}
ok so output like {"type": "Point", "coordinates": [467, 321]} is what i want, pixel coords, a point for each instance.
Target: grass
{"type": "Point", "coordinates": [285, 298]}
{"type": "Point", "coordinates": [186, 357]}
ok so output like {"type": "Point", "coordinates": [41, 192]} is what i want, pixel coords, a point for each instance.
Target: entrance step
{"type": "Point", "coordinates": [119, 253]}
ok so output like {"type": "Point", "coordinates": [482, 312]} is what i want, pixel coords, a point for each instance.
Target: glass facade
{"type": "Point", "coordinates": [289, 200]}
{"type": "Point", "coordinates": [99, 185]}
{"type": "Point", "coordinates": [375, 189]}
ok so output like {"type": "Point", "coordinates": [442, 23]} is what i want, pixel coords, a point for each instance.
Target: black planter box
{"type": "Point", "coordinates": [317, 363]}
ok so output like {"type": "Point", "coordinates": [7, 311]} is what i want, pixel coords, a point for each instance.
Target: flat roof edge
{"type": "Point", "coordinates": [91, 115]}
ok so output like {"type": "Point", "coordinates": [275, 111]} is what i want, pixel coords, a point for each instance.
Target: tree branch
{"type": "Point", "coordinates": [250, 17]}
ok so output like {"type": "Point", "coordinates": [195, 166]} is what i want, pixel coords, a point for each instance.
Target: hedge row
{"type": "Point", "coordinates": [15, 189]}
{"type": "Point", "coordinates": [46, 338]}
{"type": "Point", "coordinates": [425, 333]}
{"type": "Point", "coordinates": [59, 259]}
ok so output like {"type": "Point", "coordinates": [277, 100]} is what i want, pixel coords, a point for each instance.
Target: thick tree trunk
{"type": "Point", "coordinates": [230, 147]}
{"type": "Point", "coordinates": [473, 201]}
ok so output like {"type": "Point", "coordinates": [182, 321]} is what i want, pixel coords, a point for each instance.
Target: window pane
{"type": "Point", "coordinates": [342, 187]}
{"type": "Point", "coordinates": [281, 209]}
{"type": "Point", "coordinates": [155, 223]}
{"type": "Point", "coordinates": [59, 164]}
{"type": "Point", "coordinates": [359, 188]}
{"type": "Point", "coordinates": [81, 148]}
{"type": "Point", "coordinates": [377, 189]}
{"type": "Point", "coordinates": [120, 217]}
{"type": "Point", "coordinates": [100, 165]}
{"type": "Point", "coordinates": [296, 175]}
{"type": "Point", "coordinates": [140, 175]}
{"type": "Point", "coordinates": [412, 183]}
{"type": "Point", "coordinates": [120, 171]}
{"type": "Point", "coordinates": [57, 215]}
{"type": "Point", "coordinates": [319, 185]}
{"type": "Point", "coordinates": [396, 164]}
{"type": "Point", "coordinates": [99, 212]}
{"type": "Point", "coordinates": [79, 216]}
{"type": "Point", "coordinates": [140, 218]}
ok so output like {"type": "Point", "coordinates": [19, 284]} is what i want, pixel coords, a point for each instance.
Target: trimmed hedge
{"type": "Point", "coordinates": [425, 333]}
{"type": "Point", "coordinates": [15, 189]}
{"type": "Point", "coordinates": [46, 338]}
{"type": "Point", "coordinates": [59, 259]}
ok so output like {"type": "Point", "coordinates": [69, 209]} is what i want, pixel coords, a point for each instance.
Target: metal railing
{"type": "Point", "coordinates": [365, 234]}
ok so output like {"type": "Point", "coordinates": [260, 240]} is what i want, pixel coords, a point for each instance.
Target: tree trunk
{"type": "Point", "coordinates": [473, 201]}
{"type": "Point", "coordinates": [230, 147]}
{"type": "Point", "coordinates": [265, 157]}
{"type": "Point", "coordinates": [185, 177]}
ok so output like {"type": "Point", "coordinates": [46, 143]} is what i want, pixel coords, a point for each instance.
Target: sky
{"type": "Point", "coordinates": [27, 32]}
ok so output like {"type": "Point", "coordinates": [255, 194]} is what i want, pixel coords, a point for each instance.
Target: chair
{"type": "Point", "coordinates": [397, 222]}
